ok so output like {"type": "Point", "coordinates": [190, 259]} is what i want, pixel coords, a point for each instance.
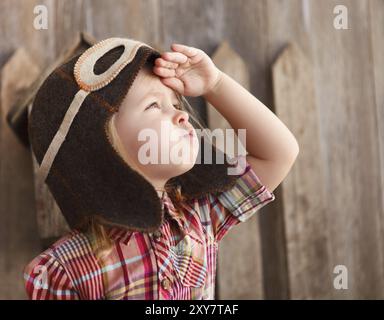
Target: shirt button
{"type": "Point", "coordinates": [157, 235]}
{"type": "Point", "coordinates": [166, 283]}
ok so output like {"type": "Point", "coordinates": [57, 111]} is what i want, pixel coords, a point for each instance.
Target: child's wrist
{"type": "Point", "coordinates": [216, 84]}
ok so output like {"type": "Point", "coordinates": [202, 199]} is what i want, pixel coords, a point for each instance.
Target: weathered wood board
{"type": "Point", "coordinates": [242, 279]}
{"type": "Point", "coordinates": [350, 139]}
{"type": "Point", "coordinates": [303, 191]}
{"type": "Point", "coordinates": [18, 232]}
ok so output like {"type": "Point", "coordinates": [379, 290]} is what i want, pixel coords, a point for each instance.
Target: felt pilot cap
{"type": "Point", "coordinates": [85, 174]}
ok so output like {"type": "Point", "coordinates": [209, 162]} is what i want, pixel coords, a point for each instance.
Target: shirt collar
{"type": "Point", "coordinates": [120, 234]}
{"type": "Point", "coordinates": [123, 235]}
{"type": "Point", "coordinates": [172, 212]}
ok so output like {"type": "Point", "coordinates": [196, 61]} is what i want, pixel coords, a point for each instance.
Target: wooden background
{"type": "Point", "coordinates": [328, 87]}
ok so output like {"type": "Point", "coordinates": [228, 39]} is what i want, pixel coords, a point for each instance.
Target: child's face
{"type": "Point", "coordinates": [150, 104]}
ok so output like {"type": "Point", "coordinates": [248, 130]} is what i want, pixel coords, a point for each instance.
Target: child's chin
{"type": "Point", "coordinates": [183, 167]}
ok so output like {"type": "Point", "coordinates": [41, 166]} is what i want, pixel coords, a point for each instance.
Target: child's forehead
{"type": "Point", "coordinates": [151, 86]}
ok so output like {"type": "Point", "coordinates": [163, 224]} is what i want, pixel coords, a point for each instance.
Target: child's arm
{"type": "Point", "coordinates": [272, 148]}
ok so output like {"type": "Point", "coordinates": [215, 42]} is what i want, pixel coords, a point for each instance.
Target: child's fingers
{"type": "Point", "coordinates": [165, 64]}
{"type": "Point", "coordinates": [175, 57]}
{"type": "Point", "coordinates": [188, 51]}
{"type": "Point", "coordinates": [164, 72]}
{"type": "Point", "coordinates": [174, 83]}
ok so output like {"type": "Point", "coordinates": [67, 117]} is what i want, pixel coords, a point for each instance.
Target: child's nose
{"type": "Point", "coordinates": [181, 116]}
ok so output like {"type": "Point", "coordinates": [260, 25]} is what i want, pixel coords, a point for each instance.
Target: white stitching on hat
{"type": "Point", "coordinates": [61, 134]}
{"type": "Point", "coordinates": [84, 73]}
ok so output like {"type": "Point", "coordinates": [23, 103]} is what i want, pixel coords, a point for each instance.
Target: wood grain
{"type": "Point", "coordinates": [303, 190]}
{"type": "Point", "coordinates": [243, 279]}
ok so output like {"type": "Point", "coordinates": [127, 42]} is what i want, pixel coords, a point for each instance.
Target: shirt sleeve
{"type": "Point", "coordinates": [46, 279]}
{"type": "Point", "coordinates": [221, 212]}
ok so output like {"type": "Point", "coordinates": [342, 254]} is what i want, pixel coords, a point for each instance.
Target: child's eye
{"type": "Point", "coordinates": [150, 106]}
{"type": "Point", "coordinates": [177, 106]}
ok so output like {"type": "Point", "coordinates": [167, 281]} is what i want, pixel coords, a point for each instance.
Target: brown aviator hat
{"type": "Point", "coordinates": [67, 130]}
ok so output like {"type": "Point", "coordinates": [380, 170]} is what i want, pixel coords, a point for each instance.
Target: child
{"type": "Point", "coordinates": [139, 229]}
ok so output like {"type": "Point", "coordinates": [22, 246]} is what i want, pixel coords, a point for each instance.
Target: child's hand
{"type": "Point", "coordinates": [189, 71]}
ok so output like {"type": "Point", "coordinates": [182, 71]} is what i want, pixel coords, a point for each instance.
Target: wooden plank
{"type": "Point", "coordinates": [348, 124]}
{"type": "Point", "coordinates": [125, 18]}
{"type": "Point", "coordinates": [18, 232]}
{"type": "Point", "coordinates": [257, 29]}
{"type": "Point", "coordinates": [242, 244]}
{"type": "Point", "coordinates": [376, 18]}
{"type": "Point", "coordinates": [284, 21]}
{"type": "Point", "coordinates": [303, 190]}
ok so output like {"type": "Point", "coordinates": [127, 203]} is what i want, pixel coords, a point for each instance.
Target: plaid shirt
{"type": "Point", "coordinates": [176, 262]}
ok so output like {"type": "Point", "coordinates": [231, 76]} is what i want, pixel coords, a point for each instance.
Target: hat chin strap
{"type": "Point", "coordinates": [60, 135]}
